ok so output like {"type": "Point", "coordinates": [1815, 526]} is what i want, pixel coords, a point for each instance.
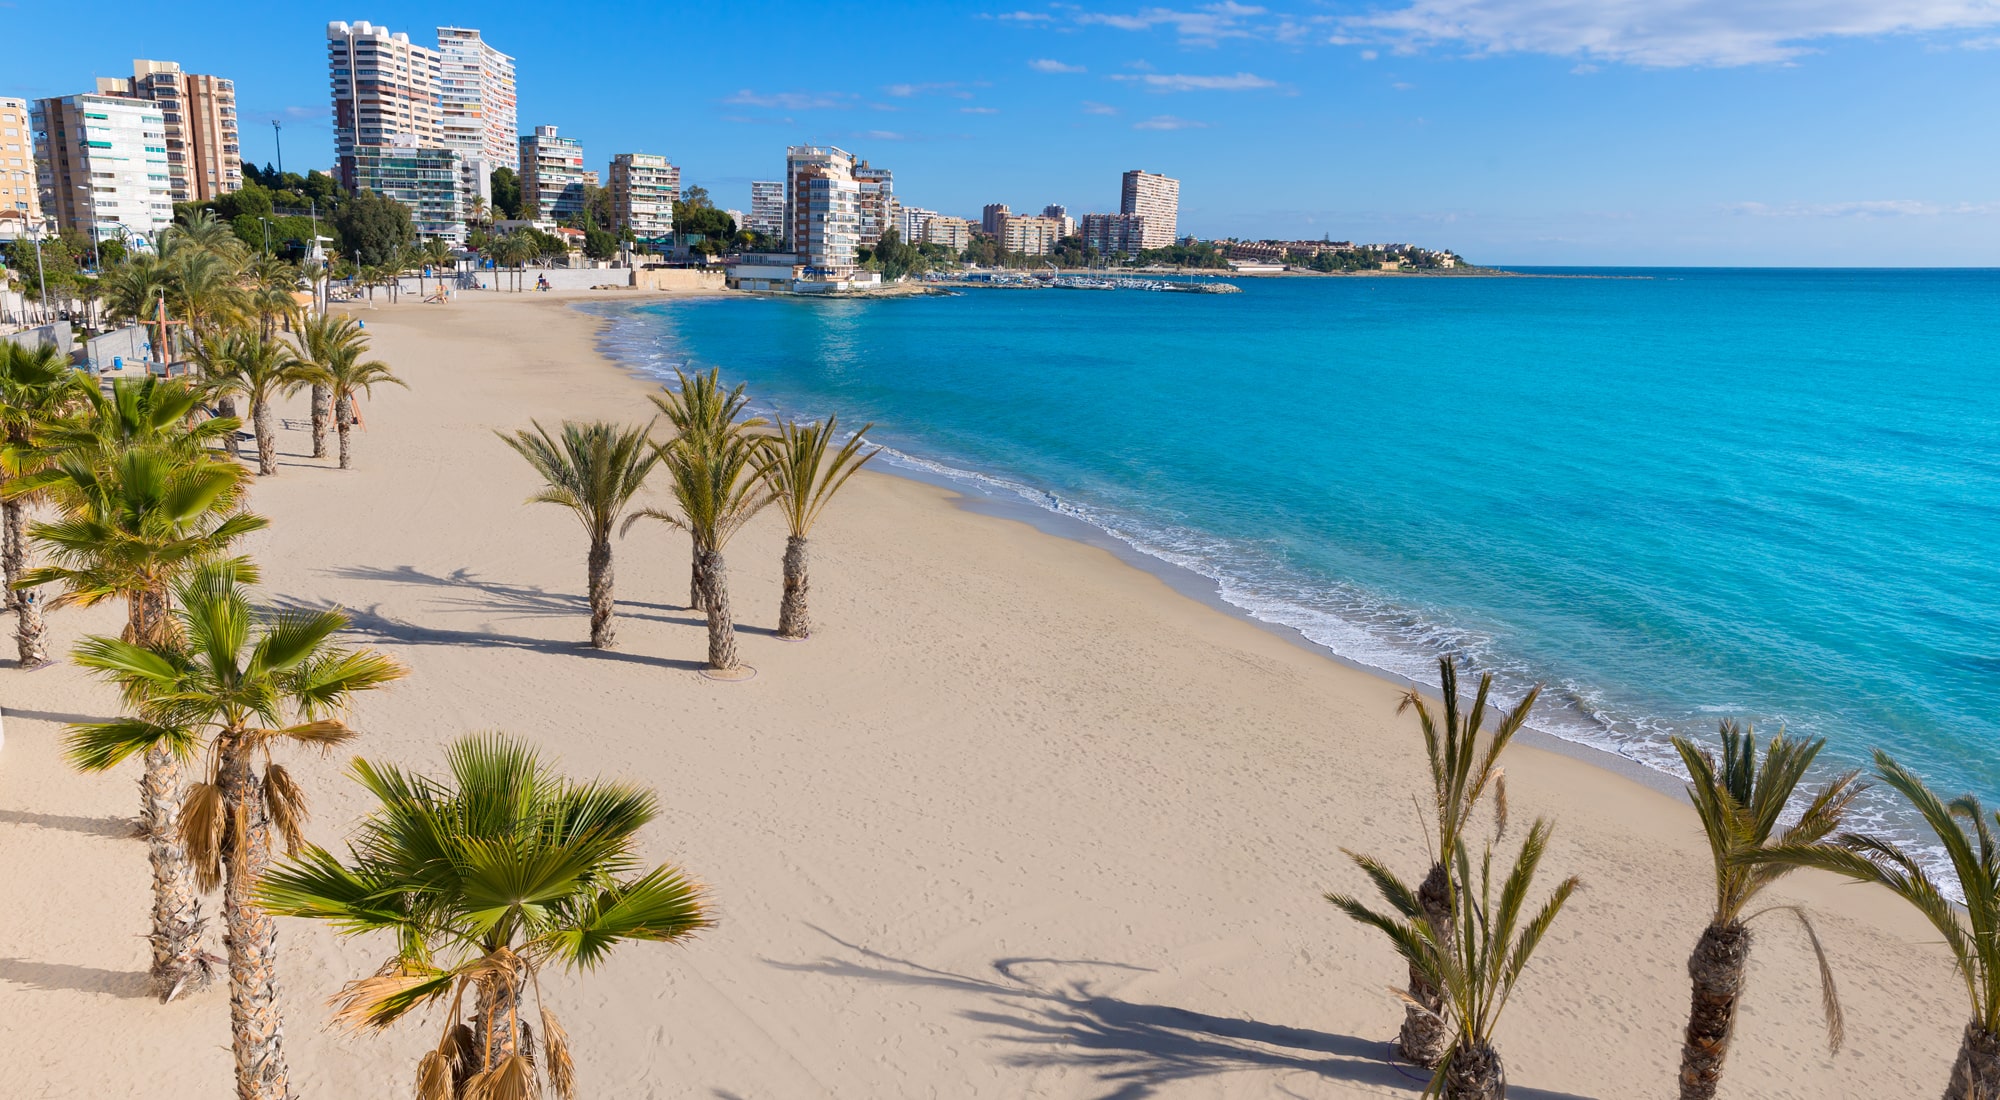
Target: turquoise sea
{"type": "Point", "coordinates": [1669, 495]}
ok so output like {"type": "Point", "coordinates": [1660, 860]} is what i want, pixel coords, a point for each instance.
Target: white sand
{"type": "Point", "coordinates": [1019, 820]}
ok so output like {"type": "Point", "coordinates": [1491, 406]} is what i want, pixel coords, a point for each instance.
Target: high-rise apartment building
{"type": "Point", "coordinates": [991, 216]}
{"type": "Point", "coordinates": [101, 163]}
{"type": "Point", "coordinates": [475, 89]}
{"type": "Point", "coordinates": [1111, 234]}
{"type": "Point", "coordinates": [953, 233]}
{"type": "Point", "coordinates": [20, 192]}
{"type": "Point", "coordinates": [822, 208]}
{"type": "Point", "coordinates": [552, 176]}
{"type": "Point", "coordinates": [878, 201]}
{"type": "Point", "coordinates": [767, 208]}
{"type": "Point", "coordinates": [385, 93]}
{"type": "Point", "coordinates": [1061, 213]}
{"type": "Point", "coordinates": [644, 188]}
{"type": "Point", "coordinates": [425, 180]}
{"type": "Point", "coordinates": [910, 222]}
{"type": "Point", "coordinates": [1030, 234]}
{"type": "Point", "coordinates": [1155, 198]}
{"type": "Point", "coordinates": [203, 157]}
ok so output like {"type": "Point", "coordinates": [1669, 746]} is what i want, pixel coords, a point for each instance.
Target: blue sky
{"type": "Point", "coordinates": [1785, 132]}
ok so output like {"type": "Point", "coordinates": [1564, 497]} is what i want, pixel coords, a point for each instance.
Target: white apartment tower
{"type": "Point", "coordinates": [203, 158]}
{"type": "Point", "coordinates": [552, 176]}
{"type": "Point", "coordinates": [476, 99]}
{"type": "Point", "coordinates": [1158, 200]}
{"type": "Point", "coordinates": [385, 93]}
{"type": "Point", "coordinates": [644, 188]}
{"type": "Point", "coordinates": [20, 194]}
{"type": "Point", "coordinates": [102, 163]}
{"type": "Point", "coordinates": [767, 208]}
{"type": "Point", "coordinates": [822, 208]}
{"type": "Point", "coordinates": [878, 202]}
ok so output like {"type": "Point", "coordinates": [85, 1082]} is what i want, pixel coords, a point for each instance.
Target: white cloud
{"type": "Point", "coordinates": [1661, 33]}
{"type": "Point", "coordinates": [787, 101]}
{"type": "Point", "coordinates": [1169, 122]}
{"type": "Point", "coordinates": [1202, 26]}
{"type": "Point", "coordinates": [1024, 16]}
{"type": "Point", "coordinates": [1091, 108]}
{"type": "Point", "coordinates": [1049, 65]}
{"type": "Point", "coordinates": [905, 91]}
{"type": "Point", "coordinates": [1181, 82]}
{"type": "Point", "coordinates": [979, 110]}
{"type": "Point", "coordinates": [1875, 208]}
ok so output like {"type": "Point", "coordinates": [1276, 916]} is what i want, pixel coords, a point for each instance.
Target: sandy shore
{"type": "Point", "coordinates": [1020, 820]}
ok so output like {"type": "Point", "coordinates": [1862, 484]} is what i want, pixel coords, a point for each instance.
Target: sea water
{"type": "Point", "coordinates": [1670, 496]}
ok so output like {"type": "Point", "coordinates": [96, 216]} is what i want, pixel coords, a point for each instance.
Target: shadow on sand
{"type": "Point", "coordinates": [129, 984]}
{"type": "Point", "coordinates": [474, 593]}
{"type": "Point", "coordinates": [117, 828]}
{"type": "Point", "coordinates": [1133, 1048]}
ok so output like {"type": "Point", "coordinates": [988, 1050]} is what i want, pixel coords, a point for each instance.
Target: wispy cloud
{"type": "Point", "coordinates": [905, 91]}
{"type": "Point", "coordinates": [883, 135]}
{"type": "Point", "coordinates": [1092, 108]}
{"type": "Point", "coordinates": [1658, 33]}
{"type": "Point", "coordinates": [1169, 122]}
{"type": "Point", "coordinates": [1023, 16]}
{"type": "Point", "coordinates": [1209, 24]}
{"type": "Point", "coordinates": [1182, 82]}
{"type": "Point", "coordinates": [1873, 208]}
{"type": "Point", "coordinates": [1050, 65]}
{"type": "Point", "coordinates": [789, 101]}
{"type": "Point", "coordinates": [979, 110]}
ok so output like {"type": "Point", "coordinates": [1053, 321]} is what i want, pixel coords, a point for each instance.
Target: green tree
{"type": "Point", "coordinates": [506, 193]}
{"type": "Point", "coordinates": [801, 479]}
{"type": "Point", "coordinates": [348, 378]}
{"type": "Point", "coordinates": [699, 408]}
{"type": "Point", "coordinates": [243, 363]}
{"type": "Point", "coordinates": [37, 388]}
{"type": "Point", "coordinates": [594, 470]}
{"type": "Point", "coordinates": [319, 338]}
{"type": "Point", "coordinates": [375, 226]}
{"type": "Point", "coordinates": [218, 686]}
{"type": "Point", "coordinates": [599, 244]}
{"type": "Point", "coordinates": [427, 866]}
{"type": "Point", "coordinates": [714, 483]}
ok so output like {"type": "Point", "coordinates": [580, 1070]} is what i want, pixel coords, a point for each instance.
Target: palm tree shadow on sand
{"type": "Point", "coordinates": [498, 597]}
{"type": "Point", "coordinates": [375, 626]}
{"type": "Point", "coordinates": [1133, 1048]}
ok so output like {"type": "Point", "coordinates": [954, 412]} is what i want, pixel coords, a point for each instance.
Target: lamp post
{"type": "Point", "coordinates": [35, 234]}
{"type": "Point", "coordinates": [278, 136]}
{"type": "Point", "coordinates": [267, 234]}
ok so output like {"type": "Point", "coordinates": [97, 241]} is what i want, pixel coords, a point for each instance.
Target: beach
{"type": "Point", "coordinates": [1019, 819]}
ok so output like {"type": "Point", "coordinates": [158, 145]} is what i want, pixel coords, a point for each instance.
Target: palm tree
{"type": "Point", "coordinates": [138, 412]}
{"type": "Point", "coordinates": [348, 378]}
{"type": "Point", "coordinates": [716, 486]}
{"type": "Point", "coordinates": [1461, 774]}
{"type": "Point", "coordinates": [1971, 932]}
{"type": "Point", "coordinates": [206, 289]}
{"type": "Point", "coordinates": [427, 864]}
{"type": "Point", "coordinates": [128, 529]}
{"type": "Point", "coordinates": [703, 413]}
{"type": "Point", "coordinates": [594, 470]}
{"type": "Point", "coordinates": [36, 388]}
{"type": "Point", "coordinates": [133, 287]}
{"type": "Point", "coordinates": [320, 337]}
{"type": "Point", "coordinates": [242, 362]}
{"type": "Point", "coordinates": [1476, 962]}
{"type": "Point", "coordinates": [1740, 805]}
{"type": "Point", "coordinates": [216, 686]}
{"type": "Point", "coordinates": [795, 468]}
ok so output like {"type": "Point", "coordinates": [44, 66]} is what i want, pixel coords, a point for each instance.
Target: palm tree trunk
{"type": "Point", "coordinates": [1475, 1074]}
{"type": "Point", "coordinates": [343, 422]}
{"type": "Point", "coordinates": [1717, 971]}
{"type": "Point", "coordinates": [322, 411]}
{"type": "Point", "coordinates": [1426, 1035]}
{"type": "Point", "coordinates": [602, 636]}
{"type": "Point", "coordinates": [498, 1030]}
{"type": "Point", "coordinates": [1976, 1074]}
{"type": "Point", "coordinates": [697, 587]}
{"type": "Point", "coordinates": [793, 621]}
{"type": "Point", "coordinates": [267, 438]}
{"type": "Point", "coordinates": [13, 549]}
{"type": "Point", "coordinates": [30, 632]}
{"type": "Point", "coordinates": [721, 630]}
{"type": "Point", "coordinates": [257, 1031]}
{"type": "Point", "coordinates": [179, 964]}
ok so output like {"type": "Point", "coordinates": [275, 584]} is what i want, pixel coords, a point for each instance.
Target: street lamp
{"type": "Point", "coordinates": [267, 234]}
{"type": "Point", "coordinates": [35, 234]}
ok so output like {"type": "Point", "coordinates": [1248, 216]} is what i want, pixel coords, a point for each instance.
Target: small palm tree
{"type": "Point", "coordinates": [1461, 773]}
{"type": "Point", "coordinates": [594, 470]}
{"type": "Point", "coordinates": [718, 491]}
{"type": "Point", "coordinates": [427, 866]}
{"type": "Point", "coordinates": [244, 363]}
{"type": "Point", "coordinates": [148, 411]}
{"type": "Point", "coordinates": [240, 695]}
{"type": "Point", "coordinates": [1971, 932]}
{"type": "Point", "coordinates": [701, 412]}
{"type": "Point", "coordinates": [349, 377]}
{"type": "Point", "coordinates": [1476, 964]}
{"type": "Point", "coordinates": [1740, 804]}
{"type": "Point", "coordinates": [801, 480]}
{"type": "Point", "coordinates": [320, 338]}
{"type": "Point", "coordinates": [37, 388]}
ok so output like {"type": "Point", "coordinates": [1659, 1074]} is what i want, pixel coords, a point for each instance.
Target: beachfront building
{"type": "Point", "coordinates": [822, 209]}
{"type": "Point", "coordinates": [991, 216]}
{"type": "Point", "coordinates": [425, 180]}
{"type": "Point", "coordinates": [476, 100]}
{"type": "Point", "coordinates": [20, 195]}
{"type": "Point", "coordinates": [1061, 214]}
{"type": "Point", "coordinates": [1114, 234]}
{"type": "Point", "coordinates": [878, 202]}
{"type": "Point", "coordinates": [1155, 198]}
{"type": "Point", "coordinates": [767, 208]}
{"type": "Point", "coordinates": [385, 93]}
{"type": "Point", "coordinates": [204, 159]}
{"type": "Point", "coordinates": [911, 220]}
{"type": "Point", "coordinates": [644, 188]}
{"type": "Point", "coordinates": [552, 176]}
{"type": "Point", "coordinates": [1030, 234]}
{"type": "Point", "coordinates": [953, 233]}
{"type": "Point", "coordinates": [101, 164]}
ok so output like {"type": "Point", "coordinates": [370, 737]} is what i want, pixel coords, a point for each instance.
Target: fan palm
{"type": "Point", "coordinates": [1971, 932]}
{"type": "Point", "coordinates": [484, 880]}
{"type": "Point", "coordinates": [1462, 771]}
{"type": "Point", "coordinates": [243, 363]}
{"type": "Point", "coordinates": [206, 289]}
{"type": "Point", "coordinates": [348, 378]}
{"type": "Point", "coordinates": [214, 684]}
{"type": "Point", "coordinates": [703, 413]}
{"type": "Point", "coordinates": [1476, 962]}
{"type": "Point", "coordinates": [203, 231]}
{"type": "Point", "coordinates": [128, 529]}
{"type": "Point", "coordinates": [594, 470]}
{"type": "Point", "coordinates": [37, 387]}
{"type": "Point", "coordinates": [717, 490]}
{"type": "Point", "coordinates": [1740, 804]}
{"type": "Point", "coordinates": [138, 411]}
{"type": "Point", "coordinates": [801, 479]}
{"type": "Point", "coordinates": [132, 288]}
{"type": "Point", "coordinates": [321, 337]}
